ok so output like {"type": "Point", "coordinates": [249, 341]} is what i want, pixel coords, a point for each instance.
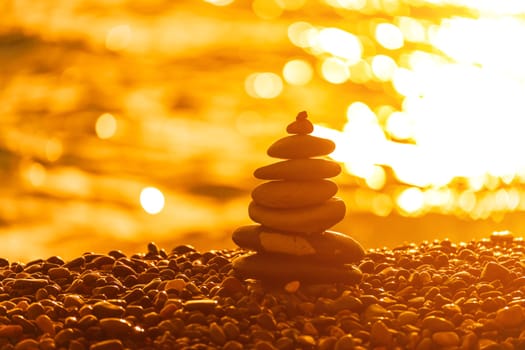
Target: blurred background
{"type": "Point", "coordinates": [129, 121]}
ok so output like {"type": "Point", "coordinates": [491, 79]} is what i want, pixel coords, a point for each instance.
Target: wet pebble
{"type": "Point", "coordinates": [45, 324]}
{"type": "Point", "coordinates": [510, 316]}
{"type": "Point", "coordinates": [27, 344]}
{"type": "Point", "coordinates": [104, 309]}
{"type": "Point", "coordinates": [494, 271]}
{"type": "Point", "coordinates": [217, 334]}
{"type": "Point", "coordinates": [205, 305]}
{"type": "Point", "coordinates": [110, 344]}
{"type": "Point", "coordinates": [380, 334]}
{"type": "Point", "coordinates": [117, 327]}
{"type": "Point", "coordinates": [436, 324]}
{"type": "Point", "coordinates": [10, 331]}
{"type": "Point", "coordinates": [448, 338]}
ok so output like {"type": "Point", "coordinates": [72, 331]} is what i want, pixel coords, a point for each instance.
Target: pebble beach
{"type": "Point", "coordinates": [428, 295]}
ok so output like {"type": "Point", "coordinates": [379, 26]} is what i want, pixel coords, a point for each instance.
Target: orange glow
{"type": "Point", "coordinates": [263, 85]}
{"type": "Point", "coordinates": [410, 200]}
{"type": "Point", "coordinates": [389, 36]}
{"type": "Point", "coordinates": [53, 149]}
{"type": "Point", "coordinates": [335, 71]}
{"type": "Point", "coordinates": [118, 37]}
{"type": "Point", "coordinates": [152, 200]}
{"type": "Point", "coordinates": [106, 126]}
{"type": "Point", "coordinates": [297, 72]}
{"type": "Point", "coordinates": [423, 98]}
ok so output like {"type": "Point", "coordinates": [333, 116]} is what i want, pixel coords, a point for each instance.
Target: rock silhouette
{"type": "Point", "coordinates": [293, 212]}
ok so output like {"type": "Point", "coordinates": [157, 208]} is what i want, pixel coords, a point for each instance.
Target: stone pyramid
{"type": "Point", "coordinates": [294, 211]}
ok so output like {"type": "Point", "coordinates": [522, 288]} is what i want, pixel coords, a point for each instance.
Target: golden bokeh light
{"type": "Point", "coordinates": [400, 126]}
{"type": "Point", "coordinates": [340, 43]}
{"type": "Point", "coordinates": [335, 71]}
{"type": "Point", "coordinates": [411, 200]}
{"type": "Point", "coordinates": [267, 9]}
{"type": "Point", "coordinates": [348, 4]}
{"type": "Point", "coordinates": [423, 98]}
{"type": "Point", "coordinates": [383, 67]}
{"type": "Point", "coordinates": [152, 200]}
{"type": "Point", "coordinates": [35, 173]}
{"type": "Point", "coordinates": [119, 37]}
{"type": "Point", "coordinates": [299, 33]}
{"type": "Point", "coordinates": [265, 85]}
{"type": "Point", "coordinates": [297, 72]}
{"type": "Point", "coordinates": [219, 2]}
{"type": "Point", "coordinates": [53, 149]}
{"type": "Point", "coordinates": [389, 36]}
{"type": "Point", "coordinates": [106, 126]}
{"type": "Point", "coordinates": [291, 5]}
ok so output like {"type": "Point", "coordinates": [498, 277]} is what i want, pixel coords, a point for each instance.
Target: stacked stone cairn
{"type": "Point", "coordinates": [294, 211]}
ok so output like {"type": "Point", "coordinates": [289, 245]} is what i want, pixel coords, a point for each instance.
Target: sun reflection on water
{"type": "Point", "coordinates": [102, 102]}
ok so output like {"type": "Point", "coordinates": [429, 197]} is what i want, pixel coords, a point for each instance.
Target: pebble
{"type": "Point", "coordinates": [231, 330]}
{"type": "Point", "coordinates": [313, 219]}
{"type": "Point", "coordinates": [292, 287]}
{"type": "Point", "coordinates": [10, 331]}
{"type": "Point", "coordinates": [379, 334]}
{"type": "Point", "coordinates": [301, 146]}
{"type": "Point", "coordinates": [299, 169]}
{"type": "Point", "coordinates": [437, 324]}
{"type": "Point", "coordinates": [346, 342]}
{"type": "Point", "coordinates": [407, 317]}
{"type": "Point", "coordinates": [27, 344]}
{"type": "Point", "coordinates": [204, 305]}
{"type": "Point", "coordinates": [110, 344]}
{"type": "Point", "coordinates": [301, 125]}
{"type": "Point", "coordinates": [494, 271]}
{"type": "Point", "coordinates": [115, 326]}
{"type": "Point", "coordinates": [510, 316]}
{"type": "Point", "coordinates": [264, 345]}
{"type": "Point", "coordinates": [45, 324]}
{"type": "Point", "coordinates": [230, 286]}
{"type": "Point", "coordinates": [30, 283]}
{"type": "Point", "coordinates": [232, 345]}
{"type": "Point", "coordinates": [328, 246]}
{"type": "Point", "coordinates": [266, 321]}
{"type": "Point", "coordinates": [56, 273]}
{"type": "Point", "coordinates": [177, 284]}
{"type": "Point", "coordinates": [293, 194]}
{"type": "Point", "coordinates": [284, 343]}
{"type": "Point", "coordinates": [284, 268]}
{"type": "Point", "coordinates": [217, 334]}
{"type": "Point", "coordinates": [104, 309]}
{"type": "Point", "coordinates": [375, 312]}
{"type": "Point", "coordinates": [445, 338]}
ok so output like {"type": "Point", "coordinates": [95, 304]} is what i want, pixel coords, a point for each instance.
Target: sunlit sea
{"type": "Point", "coordinates": [129, 121]}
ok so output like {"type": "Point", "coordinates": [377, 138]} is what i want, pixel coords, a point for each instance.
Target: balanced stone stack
{"type": "Point", "coordinates": [294, 212]}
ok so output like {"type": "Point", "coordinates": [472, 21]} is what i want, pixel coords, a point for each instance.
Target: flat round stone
{"type": "Point", "coordinates": [306, 220]}
{"type": "Point", "coordinates": [328, 246]}
{"type": "Point", "coordinates": [300, 146]}
{"type": "Point", "coordinates": [285, 268]}
{"type": "Point", "coordinates": [299, 169]}
{"type": "Point", "coordinates": [301, 125]}
{"type": "Point", "coordinates": [293, 194]}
